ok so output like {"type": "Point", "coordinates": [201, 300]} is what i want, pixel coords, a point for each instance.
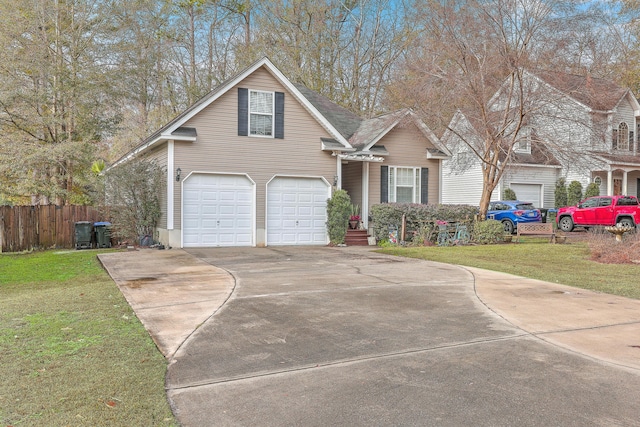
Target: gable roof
{"type": "Point", "coordinates": [540, 153]}
{"type": "Point", "coordinates": [172, 130]}
{"type": "Point", "coordinates": [371, 131]}
{"type": "Point", "coordinates": [345, 127]}
{"type": "Point", "coordinates": [597, 94]}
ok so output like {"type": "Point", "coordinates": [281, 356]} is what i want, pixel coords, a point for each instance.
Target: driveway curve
{"type": "Point", "coordinates": [344, 336]}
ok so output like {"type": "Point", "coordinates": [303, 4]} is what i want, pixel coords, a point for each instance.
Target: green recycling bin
{"type": "Point", "coordinates": [84, 234]}
{"type": "Point", "coordinates": [103, 234]}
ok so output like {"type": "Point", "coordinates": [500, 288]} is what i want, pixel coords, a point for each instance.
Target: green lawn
{"type": "Point", "coordinates": [72, 351]}
{"type": "Point", "coordinates": [567, 264]}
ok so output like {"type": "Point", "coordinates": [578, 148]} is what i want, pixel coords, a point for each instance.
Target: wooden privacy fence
{"type": "Point", "coordinates": [28, 227]}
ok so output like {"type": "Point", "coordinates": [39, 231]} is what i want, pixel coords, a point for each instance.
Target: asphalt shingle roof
{"type": "Point", "coordinates": [597, 94]}
{"type": "Point", "coordinates": [343, 120]}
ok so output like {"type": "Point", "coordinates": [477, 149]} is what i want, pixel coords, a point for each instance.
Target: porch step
{"type": "Point", "coordinates": [357, 238]}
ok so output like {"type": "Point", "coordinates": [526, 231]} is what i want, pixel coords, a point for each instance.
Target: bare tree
{"type": "Point", "coordinates": [51, 80]}
{"type": "Point", "coordinates": [473, 59]}
{"type": "Point", "coordinates": [344, 50]}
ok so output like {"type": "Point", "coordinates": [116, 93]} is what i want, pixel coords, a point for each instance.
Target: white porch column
{"type": "Point", "coordinates": [624, 183]}
{"type": "Point", "coordinates": [170, 183]}
{"type": "Point", "coordinates": [339, 172]}
{"type": "Point", "coordinates": [609, 182]}
{"type": "Point", "coordinates": [364, 210]}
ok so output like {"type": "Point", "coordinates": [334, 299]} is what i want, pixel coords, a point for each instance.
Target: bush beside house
{"type": "Point", "coordinates": [339, 210]}
{"type": "Point", "coordinates": [389, 215]}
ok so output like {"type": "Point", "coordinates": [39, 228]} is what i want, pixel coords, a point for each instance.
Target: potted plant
{"type": "Point", "coordinates": [354, 218]}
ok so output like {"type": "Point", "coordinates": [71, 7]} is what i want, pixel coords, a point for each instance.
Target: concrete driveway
{"type": "Point", "coordinates": [344, 336]}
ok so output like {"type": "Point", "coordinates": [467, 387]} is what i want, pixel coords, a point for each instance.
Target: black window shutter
{"type": "Point", "coordinates": [243, 111]}
{"type": "Point", "coordinates": [279, 125]}
{"type": "Point", "coordinates": [424, 185]}
{"type": "Point", "coordinates": [384, 184]}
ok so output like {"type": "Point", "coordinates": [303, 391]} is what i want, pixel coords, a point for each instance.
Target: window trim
{"type": "Point", "coordinates": [251, 113]}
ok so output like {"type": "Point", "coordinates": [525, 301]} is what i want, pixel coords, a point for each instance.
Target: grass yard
{"type": "Point", "coordinates": [72, 352]}
{"type": "Point", "coordinates": [568, 264]}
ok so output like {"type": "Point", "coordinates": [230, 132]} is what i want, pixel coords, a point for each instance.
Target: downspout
{"type": "Point", "coordinates": [364, 210]}
{"type": "Point", "coordinates": [439, 181]}
{"type": "Point", "coordinates": [338, 172]}
{"type": "Point", "coordinates": [170, 186]}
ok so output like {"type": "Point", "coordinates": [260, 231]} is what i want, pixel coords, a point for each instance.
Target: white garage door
{"type": "Point", "coordinates": [217, 210]}
{"type": "Point", "coordinates": [529, 193]}
{"type": "Point", "coordinates": [297, 211]}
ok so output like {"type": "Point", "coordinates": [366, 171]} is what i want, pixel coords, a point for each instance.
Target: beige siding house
{"type": "Point", "coordinates": [254, 162]}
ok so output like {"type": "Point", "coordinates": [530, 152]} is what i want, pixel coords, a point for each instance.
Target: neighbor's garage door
{"type": "Point", "coordinates": [529, 193]}
{"type": "Point", "coordinates": [297, 211]}
{"type": "Point", "coordinates": [217, 210]}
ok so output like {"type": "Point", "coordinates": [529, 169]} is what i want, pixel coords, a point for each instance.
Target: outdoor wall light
{"type": "Point", "coordinates": [178, 172]}
{"type": "Point", "coordinates": [335, 180]}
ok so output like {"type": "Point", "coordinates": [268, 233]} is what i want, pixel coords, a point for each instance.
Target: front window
{"type": "Point", "coordinates": [404, 185]}
{"type": "Point", "coordinates": [260, 113]}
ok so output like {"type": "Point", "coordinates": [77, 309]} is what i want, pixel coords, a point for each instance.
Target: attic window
{"type": "Point", "coordinates": [523, 144]}
{"type": "Point", "coordinates": [260, 113]}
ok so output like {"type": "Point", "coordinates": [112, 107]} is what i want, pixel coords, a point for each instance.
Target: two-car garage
{"type": "Point", "coordinates": [221, 210]}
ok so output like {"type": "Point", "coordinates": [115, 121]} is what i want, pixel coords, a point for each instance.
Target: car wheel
{"type": "Point", "coordinates": [508, 226]}
{"type": "Point", "coordinates": [566, 224]}
{"type": "Point", "coordinates": [626, 223]}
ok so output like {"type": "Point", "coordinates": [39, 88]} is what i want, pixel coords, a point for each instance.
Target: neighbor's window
{"type": "Point", "coordinates": [260, 113]}
{"type": "Point", "coordinates": [621, 137]}
{"type": "Point", "coordinates": [523, 144]}
{"type": "Point", "coordinates": [404, 185]}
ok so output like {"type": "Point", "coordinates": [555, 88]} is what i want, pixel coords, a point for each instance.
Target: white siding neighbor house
{"type": "Point", "coordinates": [582, 128]}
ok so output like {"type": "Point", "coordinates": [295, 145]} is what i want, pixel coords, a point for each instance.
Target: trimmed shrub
{"type": "Point", "coordinates": [338, 212]}
{"type": "Point", "coordinates": [593, 189]}
{"type": "Point", "coordinates": [561, 193]}
{"type": "Point", "coordinates": [488, 232]}
{"type": "Point", "coordinates": [509, 194]}
{"type": "Point", "coordinates": [388, 215]}
{"type": "Point", "coordinates": [574, 193]}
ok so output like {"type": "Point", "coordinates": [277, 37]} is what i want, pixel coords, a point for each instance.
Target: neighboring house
{"type": "Point", "coordinates": [254, 162]}
{"type": "Point", "coordinates": [582, 128]}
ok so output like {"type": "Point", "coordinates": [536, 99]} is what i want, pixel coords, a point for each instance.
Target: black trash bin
{"type": "Point", "coordinates": [103, 234]}
{"type": "Point", "coordinates": [84, 234]}
{"type": "Point", "coordinates": [543, 213]}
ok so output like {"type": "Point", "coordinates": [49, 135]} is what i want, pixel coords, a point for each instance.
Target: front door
{"type": "Point", "coordinates": [617, 186]}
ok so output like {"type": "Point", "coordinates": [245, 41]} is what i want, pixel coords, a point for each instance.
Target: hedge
{"type": "Point", "coordinates": [389, 215]}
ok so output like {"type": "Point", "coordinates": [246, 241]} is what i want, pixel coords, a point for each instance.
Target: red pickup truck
{"type": "Point", "coordinates": [600, 210]}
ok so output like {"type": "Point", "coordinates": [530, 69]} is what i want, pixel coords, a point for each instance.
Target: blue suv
{"type": "Point", "coordinates": [513, 212]}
